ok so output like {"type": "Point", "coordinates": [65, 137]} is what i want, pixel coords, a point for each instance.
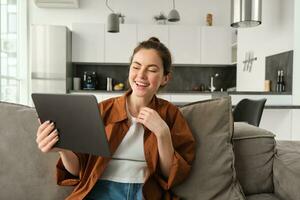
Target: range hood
{"type": "Point", "coordinates": [246, 13]}
{"type": "Point", "coordinates": [57, 3]}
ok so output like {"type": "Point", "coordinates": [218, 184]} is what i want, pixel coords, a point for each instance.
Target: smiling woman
{"type": "Point", "coordinates": [152, 145]}
{"type": "Point", "coordinates": [146, 75]}
{"type": "Point", "coordinates": [13, 67]}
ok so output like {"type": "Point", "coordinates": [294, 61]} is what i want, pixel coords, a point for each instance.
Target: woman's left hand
{"type": "Point", "coordinates": [151, 119]}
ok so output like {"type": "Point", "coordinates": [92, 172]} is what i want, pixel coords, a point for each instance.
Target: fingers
{"type": "Point", "coordinates": [48, 139]}
{"type": "Point", "coordinates": [141, 116]}
{"type": "Point", "coordinates": [50, 144]}
{"type": "Point", "coordinates": [42, 126]}
{"type": "Point", "coordinates": [146, 113]}
{"type": "Point", "coordinates": [45, 131]}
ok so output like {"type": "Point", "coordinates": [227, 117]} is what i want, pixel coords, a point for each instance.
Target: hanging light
{"type": "Point", "coordinates": [245, 13]}
{"type": "Point", "coordinates": [174, 14]}
{"type": "Point", "coordinates": [112, 21]}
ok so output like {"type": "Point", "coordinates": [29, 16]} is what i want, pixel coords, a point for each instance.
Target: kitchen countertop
{"type": "Point", "coordinates": [259, 93]}
{"type": "Point", "coordinates": [182, 102]}
{"type": "Point", "coordinates": [193, 92]}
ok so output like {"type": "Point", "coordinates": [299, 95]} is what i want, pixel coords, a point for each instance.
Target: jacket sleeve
{"type": "Point", "coordinates": [184, 151]}
{"type": "Point", "coordinates": [65, 178]}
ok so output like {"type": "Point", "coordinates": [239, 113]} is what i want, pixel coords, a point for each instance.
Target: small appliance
{"type": "Point", "coordinates": [89, 80]}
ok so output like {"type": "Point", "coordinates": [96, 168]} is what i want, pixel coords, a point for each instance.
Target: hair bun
{"type": "Point", "coordinates": [154, 39]}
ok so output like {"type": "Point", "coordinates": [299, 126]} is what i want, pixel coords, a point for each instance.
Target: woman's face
{"type": "Point", "coordinates": [146, 73]}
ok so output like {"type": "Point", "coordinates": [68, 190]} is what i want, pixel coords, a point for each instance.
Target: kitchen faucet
{"type": "Point", "coordinates": [212, 87]}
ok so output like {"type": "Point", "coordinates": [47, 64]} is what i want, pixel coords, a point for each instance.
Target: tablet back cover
{"type": "Point", "coordinates": [77, 119]}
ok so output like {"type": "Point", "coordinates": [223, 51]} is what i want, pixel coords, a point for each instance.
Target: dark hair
{"type": "Point", "coordinates": [161, 49]}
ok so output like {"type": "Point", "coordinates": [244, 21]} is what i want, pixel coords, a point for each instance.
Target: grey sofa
{"type": "Point", "coordinates": [265, 169]}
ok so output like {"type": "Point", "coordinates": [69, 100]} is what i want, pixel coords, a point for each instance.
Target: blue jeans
{"type": "Point", "coordinates": [110, 190]}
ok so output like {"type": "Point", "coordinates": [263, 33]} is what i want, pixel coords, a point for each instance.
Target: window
{"type": "Point", "coordinates": [13, 65]}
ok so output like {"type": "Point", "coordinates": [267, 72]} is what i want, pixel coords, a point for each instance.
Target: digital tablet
{"type": "Point", "coordinates": [77, 119]}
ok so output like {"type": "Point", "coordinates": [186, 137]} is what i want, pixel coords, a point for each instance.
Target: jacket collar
{"type": "Point", "coordinates": [119, 109]}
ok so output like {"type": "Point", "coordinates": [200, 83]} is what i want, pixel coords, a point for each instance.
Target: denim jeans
{"type": "Point", "coordinates": [110, 190]}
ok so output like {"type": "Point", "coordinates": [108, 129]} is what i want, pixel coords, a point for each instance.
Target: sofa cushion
{"type": "Point", "coordinates": [286, 170]}
{"type": "Point", "coordinates": [254, 152]}
{"type": "Point", "coordinates": [213, 175]}
{"type": "Point", "coordinates": [25, 172]}
{"type": "Point", "coordinates": [262, 197]}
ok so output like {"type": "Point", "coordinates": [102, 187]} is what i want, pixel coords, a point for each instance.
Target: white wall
{"type": "Point", "coordinates": [274, 35]}
{"type": "Point", "coordinates": [278, 121]}
{"type": "Point", "coordinates": [296, 73]}
{"type": "Point", "coordinates": [136, 11]}
{"type": "Point", "coordinates": [296, 64]}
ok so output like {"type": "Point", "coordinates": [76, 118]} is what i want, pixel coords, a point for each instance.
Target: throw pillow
{"type": "Point", "coordinates": [213, 176]}
{"type": "Point", "coordinates": [254, 152]}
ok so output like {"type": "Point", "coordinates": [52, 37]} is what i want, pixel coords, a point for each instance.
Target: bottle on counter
{"type": "Point", "coordinates": [108, 84]}
{"type": "Point", "coordinates": [282, 81]}
{"type": "Point", "coordinates": [278, 82]}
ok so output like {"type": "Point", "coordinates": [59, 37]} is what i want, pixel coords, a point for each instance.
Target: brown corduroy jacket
{"type": "Point", "coordinates": [113, 113]}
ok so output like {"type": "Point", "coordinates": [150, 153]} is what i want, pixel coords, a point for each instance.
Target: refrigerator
{"type": "Point", "coordinates": [50, 59]}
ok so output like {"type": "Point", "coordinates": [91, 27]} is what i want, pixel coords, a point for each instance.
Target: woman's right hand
{"type": "Point", "coordinates": [47, 137]}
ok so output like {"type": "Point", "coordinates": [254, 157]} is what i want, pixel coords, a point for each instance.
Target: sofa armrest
{"type": "Point", "coordinates": [254, 150]}
{"type": "Point", "coordinates": [286, 170]}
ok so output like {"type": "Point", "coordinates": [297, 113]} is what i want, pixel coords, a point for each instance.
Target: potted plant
{"type": "Point", "coordinates": [121, 18]}
{"type": "Point", "coordinates": [160, 18]}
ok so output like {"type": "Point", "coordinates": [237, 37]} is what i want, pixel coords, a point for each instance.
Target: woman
{"type": "Point", "coordinates": [151, 142]}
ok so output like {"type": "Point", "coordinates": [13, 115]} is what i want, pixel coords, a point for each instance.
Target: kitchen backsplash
{"type": "Point", "coordinates": [184, 78]}
{"type": "Point", "coordinates": [282, 61]}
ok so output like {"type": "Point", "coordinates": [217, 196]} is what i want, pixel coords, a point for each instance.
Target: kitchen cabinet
{"type": "Point", "coordinates": [144, 32]}
{"type": "Point", "coordinates": [119, 46]}
{"type": "Point", "coordinates": [189, 98]}
{"type": "Point", "coordinates": [106, 96]}
{"type": "Point", "coordinates": [87, 42]}
{"type": "Point", "coordinates": [164, 96]}
{"type": "Point", "coordinates": [97, 95]}
{"type": "Point", "coordinates": [188, 44]}
{"type": "Point", "coordinates": [184, 44]}
{"type": "Point", "coordinates": [280, 121]}
{"type": "Point", "coordinates": [172, 97]}
{"type": "Point", "coordinates": [216, 45]}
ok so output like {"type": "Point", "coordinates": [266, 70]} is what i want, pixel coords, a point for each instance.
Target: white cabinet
{"type": "Point", "coordinates": [100, 96]}
{"type": "Point", "coordinates": [189, 98]}
{"type": "Point", "coordinates": [87, 42]}
{"type": "Point", "coordinates": [119, 46]}
{"type": "Point", "coordinates": [216, 45]}
{"type": "Point", "coordinates": [97, 95]}
{"type": "Point", "coordinates": [188, 44]}
{"type": "Point", "coordinates": [106, 96]}
{"type": "Point", "coordinates": [144, 32]}
{"type": "Point", "coordinates": [164, 96]}
{"type": "Point", "coordinates": [184, 44]}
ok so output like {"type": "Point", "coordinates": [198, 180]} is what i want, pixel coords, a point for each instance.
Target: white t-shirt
{"type": "Point", "coordinates": [128, 164]}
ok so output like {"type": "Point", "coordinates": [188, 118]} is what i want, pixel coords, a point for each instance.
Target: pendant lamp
{"type": "Point", "coordinates": [112, 21]}
{"type": "Point", "coordinates": [245, 13]}
{"type": "Point", "coordinates": [174, 14]}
